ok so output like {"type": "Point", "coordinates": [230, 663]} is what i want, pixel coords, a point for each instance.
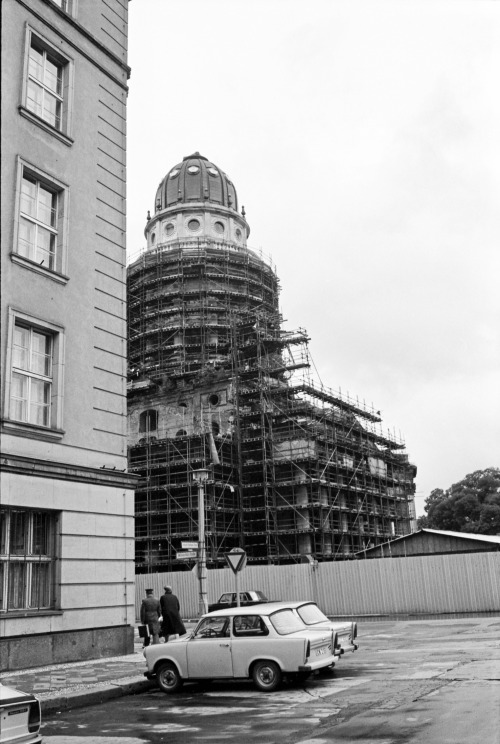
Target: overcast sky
{"type": "Point", "coordinates": [363, 139]}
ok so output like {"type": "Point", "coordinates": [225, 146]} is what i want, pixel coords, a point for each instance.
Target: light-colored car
{"type": "Point", "coordinates": [315, 619]}
{"type": "Point", "coordinates": [20, 718]}
{"type": "Point", "coordinates": [262, 642]}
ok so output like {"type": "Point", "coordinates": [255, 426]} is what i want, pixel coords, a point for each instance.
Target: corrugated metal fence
{"type": "Point", "coordinates": [435, 584]}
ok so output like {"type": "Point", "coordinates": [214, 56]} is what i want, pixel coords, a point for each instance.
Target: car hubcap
{"type": "Point", "coordinates": [168, 678]}
{"type": "Point", "coordinates": [266, 675]}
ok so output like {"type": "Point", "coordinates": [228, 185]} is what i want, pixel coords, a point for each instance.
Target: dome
{"type": "Point", "coordinates": [196, 179]}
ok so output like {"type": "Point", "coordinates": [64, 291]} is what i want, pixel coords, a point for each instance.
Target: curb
{"type": "Point", "coordinates": [98, 694]}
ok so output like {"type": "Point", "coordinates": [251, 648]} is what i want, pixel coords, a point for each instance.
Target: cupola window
{"type": "Point", "coordinates": [193, 170]}
{"type": "Point", "coordinates": [174, 173]}
{"type": "Point", "coordinates": [212, 172]}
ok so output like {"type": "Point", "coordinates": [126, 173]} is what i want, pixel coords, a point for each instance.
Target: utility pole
{"type": "Point", "coordinates": [200, 478]}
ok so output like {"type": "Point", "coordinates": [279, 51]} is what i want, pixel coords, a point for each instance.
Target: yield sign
{"type": "Point", "coordinates": [236, 559]}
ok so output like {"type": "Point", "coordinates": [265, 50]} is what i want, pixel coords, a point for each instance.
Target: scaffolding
{"type": "Point", "coordinates": [298, 470]}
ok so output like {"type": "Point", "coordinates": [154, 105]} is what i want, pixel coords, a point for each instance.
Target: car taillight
{"type": "Point", "coordinates": [34, 718]}
{"type": "Point", "coordinates": [308, 649]}
{"type": "Point", "coordinates": [354, 631]}
{"type": "Point", "coordinates": [335, 641]}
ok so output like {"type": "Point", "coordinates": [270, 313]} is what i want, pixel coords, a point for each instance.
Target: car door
{"type": "Point", "coordinates": [209, 651]}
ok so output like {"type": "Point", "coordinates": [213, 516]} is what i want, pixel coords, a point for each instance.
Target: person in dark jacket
{"type": "Point", "coordinates": [170, 610]}
{"type": "Point", "coordinates": [150, 615]}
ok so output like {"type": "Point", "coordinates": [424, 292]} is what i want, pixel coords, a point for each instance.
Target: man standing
{"type": "Point", "coordinates": [150, 615]}
{"type": "Point", "coordinates": [170, 609]}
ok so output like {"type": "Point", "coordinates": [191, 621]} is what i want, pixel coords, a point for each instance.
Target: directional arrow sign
{"type": "Point", "coordinates": [236, 559]}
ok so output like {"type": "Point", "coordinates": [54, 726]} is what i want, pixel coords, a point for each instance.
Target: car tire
{"type": "Point", "coordinates": [168, 677]}
{"type": "Point", "coordinates": [266, 676]}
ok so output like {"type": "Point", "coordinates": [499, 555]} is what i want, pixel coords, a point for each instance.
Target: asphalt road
{"type": "Point", "coordinates": [432, 682]}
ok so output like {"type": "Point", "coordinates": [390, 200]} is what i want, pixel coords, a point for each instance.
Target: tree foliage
{"type": "Point", "coordinates": [472, 505]}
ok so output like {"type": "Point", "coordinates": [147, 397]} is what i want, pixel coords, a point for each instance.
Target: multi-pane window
{"type": "Point", "coordinates": [45, 85]}
{"type": "Point", "coordinates": [31, 384]}
{"type": "Point", "coordinates": [27, 559]}
{"type": "Point", "coordinates": [37, 238]}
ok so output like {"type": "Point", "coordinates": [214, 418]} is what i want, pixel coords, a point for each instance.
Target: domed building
{"type": "Point", "coordinates": [295, 470]}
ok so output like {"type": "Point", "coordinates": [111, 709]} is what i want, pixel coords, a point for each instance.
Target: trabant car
{"type": "Point", "coordinates": [263, 643]}
{"type": "Point", "coordinates": [228, 599]}
{"type": "Point", "coordinates": [19, 717]}
{"type": "Point", "coordinates": [313, 618]}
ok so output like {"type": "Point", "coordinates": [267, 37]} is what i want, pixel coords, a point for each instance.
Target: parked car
{"type": "Point", "coordinates": [263, 643]}
{"type": "Point", "coordinates": [228, 599]}
{"type": "Point", "coordinates": [315, 619]}
{"type": "Point", "coordinates": [20, 718]}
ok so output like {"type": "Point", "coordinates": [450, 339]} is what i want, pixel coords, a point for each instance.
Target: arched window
{"type": "Point", "coordinates": [148, 421]}
{"type": "Point", "coordinates": [181, 433]}
{"type": "Point", "coordinates": [215, 428]}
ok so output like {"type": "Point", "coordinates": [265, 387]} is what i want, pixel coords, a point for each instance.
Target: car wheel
{"type": "Point", "coordinates": [266, 676]}
{"type": "Point", "coordinates": [169, 678]}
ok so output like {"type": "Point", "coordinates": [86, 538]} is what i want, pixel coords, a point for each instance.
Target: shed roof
{"type": "Point", "coordinates": [495, 539]}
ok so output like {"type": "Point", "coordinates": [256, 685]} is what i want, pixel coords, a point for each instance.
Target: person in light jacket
{"type": "Point", "coordinates": [170, 610]}
{"type": "Point", "coordinates": [150, 615]}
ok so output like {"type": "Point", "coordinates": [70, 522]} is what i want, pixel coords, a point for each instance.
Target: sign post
{"type": "Point", "coordinates": [236, 560]}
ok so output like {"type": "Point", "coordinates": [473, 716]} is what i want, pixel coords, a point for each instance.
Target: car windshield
{"type": "Point", "coordinates": [310, 614]}
{"type": "Point", "coordinates": [285, 622]}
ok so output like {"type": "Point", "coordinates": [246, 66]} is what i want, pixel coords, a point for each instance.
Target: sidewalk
{"type": "Point", "coordinates": [74, 684]}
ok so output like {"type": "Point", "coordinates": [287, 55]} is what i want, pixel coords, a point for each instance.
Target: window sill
{"type": "Point", "coordinates": [8, 614]}
{"type": "Point", "coordinates": [19, 428]}
{"type": "Point", "coordinates": [45, 125]}
{"type": "Point", "coordinates": [37, 268]}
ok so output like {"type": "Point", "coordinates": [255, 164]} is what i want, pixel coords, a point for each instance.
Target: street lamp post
{"type": "Point", "coordinates": [200, 477]}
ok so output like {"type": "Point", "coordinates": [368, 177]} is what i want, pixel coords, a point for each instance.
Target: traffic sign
{"type": "Point", "coordinates": [186, 554]}
{"type": "Point", "coordinates": [236, 559]}
{"type": "Point", "coordinates": [189, 545]}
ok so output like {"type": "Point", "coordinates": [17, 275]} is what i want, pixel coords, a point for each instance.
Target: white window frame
{"type": "Point", "coordinates": [57, 272]}
{"type": "Point", "coordinates": [27, 561]}
{"type": "Point", "coordinates": [50, 51]}
{"type": "Point", "coordinates": [67, 6]}
{"type": "Point", "coordinates": [53, 429]}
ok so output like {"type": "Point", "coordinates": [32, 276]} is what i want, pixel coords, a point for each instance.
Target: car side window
{"type": "Point", "coordinates": [225, 598]}
{"type": "Point", "coordinates": [213, 627]}
{"type": "Point", "coordinates": [249, 626]}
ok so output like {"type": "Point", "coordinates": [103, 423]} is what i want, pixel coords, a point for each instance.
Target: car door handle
{"type": "Point", "coordinates": [224, 645]}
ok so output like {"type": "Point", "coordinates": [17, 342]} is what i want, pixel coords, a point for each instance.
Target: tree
{"type": "Point", "coordinates": [471, 505]}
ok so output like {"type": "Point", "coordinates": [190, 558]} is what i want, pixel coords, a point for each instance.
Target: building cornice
{"type": "Point", "coordinates": [35, 467]}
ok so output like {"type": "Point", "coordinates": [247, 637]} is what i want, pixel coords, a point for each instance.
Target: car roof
{"type": "Point", "coordinates": [260, 609]}
{"type": "Point", "coordinates": [10, 695]}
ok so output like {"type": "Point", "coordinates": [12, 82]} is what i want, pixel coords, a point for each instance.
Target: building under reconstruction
{"type": "Point", "coordinates": [296, 471]}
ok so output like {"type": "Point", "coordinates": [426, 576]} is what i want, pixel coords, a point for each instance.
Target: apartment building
{"type": "Point", "coordinates": [67, 503]}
